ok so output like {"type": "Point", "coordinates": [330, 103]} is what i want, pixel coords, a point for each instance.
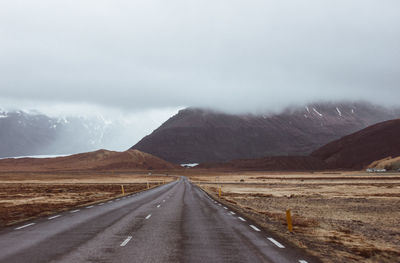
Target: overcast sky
{"type": "Point", "coordinates": [234, 55]}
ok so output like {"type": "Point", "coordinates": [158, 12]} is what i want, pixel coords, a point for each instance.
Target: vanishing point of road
{"type": "Point", "coordinates": [176, 222]}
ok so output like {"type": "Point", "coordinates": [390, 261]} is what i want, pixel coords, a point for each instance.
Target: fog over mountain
{"type": "Point", "coordinates": [231, 55]}
{"type": "Point", "coordinates": [71, 58]}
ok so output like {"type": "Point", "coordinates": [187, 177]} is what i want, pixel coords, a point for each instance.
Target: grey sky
{"type": "Point", "coordinates": [236, 55]}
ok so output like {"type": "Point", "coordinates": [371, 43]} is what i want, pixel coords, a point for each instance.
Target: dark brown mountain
{"type": "Point", "coordinates": [273, 163]}
{"type": "Point", "coordinates": [358, 150]}
{"type": "Point", "coordinates": [101, 160]}
{"type": "Point", "coordinates": [198, 135]}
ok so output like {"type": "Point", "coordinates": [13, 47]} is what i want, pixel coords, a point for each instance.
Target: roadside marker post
{"type": "Point", "coordinates": [122, 189]}
{"type": "Point", "coordinates": [148, 186]}
{"type": "Point", "coordinates": [219, 192]}
{"type": "Point", "coordinates": [289, 220]}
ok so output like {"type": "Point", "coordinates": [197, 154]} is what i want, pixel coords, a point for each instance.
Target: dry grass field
{"type": "Point", "coordinates": [25, 196]}
{"type": "Point", "coordinates": [340, 217]}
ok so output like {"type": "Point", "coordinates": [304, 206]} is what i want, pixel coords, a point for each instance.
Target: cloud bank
{"type": "Point", "coordinates": [231, 55]}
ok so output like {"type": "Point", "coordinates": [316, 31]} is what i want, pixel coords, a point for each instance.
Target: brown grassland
{"type": "Point", "coordinates": [25, 196]}
{"type": "Point", "coordinates": [339, 217]}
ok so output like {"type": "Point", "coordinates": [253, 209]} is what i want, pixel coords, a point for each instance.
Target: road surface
{"type": "Point", "coordinates": [176, 222]}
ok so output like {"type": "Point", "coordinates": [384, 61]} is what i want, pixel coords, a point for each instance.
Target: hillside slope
{"type": "Point", "coordinates": [358, 150]}
{"type": "Point", "coordinates": [198, 136]}
{"type": "Point", "coordinates": [101, 160]}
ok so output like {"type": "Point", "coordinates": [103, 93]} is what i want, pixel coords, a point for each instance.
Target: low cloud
{"type": "Point", "coordinates": [231, 55]}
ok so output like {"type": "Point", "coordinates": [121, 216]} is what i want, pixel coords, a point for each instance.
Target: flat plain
{"type": "Point", "coordinates": [337, 216]}
{"type": "Point", "coordinates": [25, 196]}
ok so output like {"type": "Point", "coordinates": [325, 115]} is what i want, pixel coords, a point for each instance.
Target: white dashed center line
{"type": "Point", "coordinates": [302, 261]}
{"type": "Point", "coordinates": [147, 217]}
{"type": "Point", "coordinates": [241, 218]}
{"type": "Point", "coordinates": [158, 206]}
{"type": "Point", "coordinates": [18, 228]}
{"type": "Point", "coordinates": [53, 217]}
{"type": "Point", "coordinates": [110, 201]}
{"type": "Point", "coordinates": [126, 241]}
{"type": "Point", "coordinates": [75, 211]}
{"type": "Point", "coordinates": [89, 207]}
{"type": "Point", "coordinates": [101, 204]}
{"type": "Point", "coordinates": [163, 201]}
{"type": "Point", "coordinates": [255, 228]}
{"type": "Point", "coordinates": [233, 213]}
{"type": "Point", "coordinates": [276, 242]}
{"type": "Point", "coordinates": [225, 207]}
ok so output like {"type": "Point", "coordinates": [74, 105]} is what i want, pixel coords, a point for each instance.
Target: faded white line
{"type": "Point", "coordinates": [89, 207]}
{"type": "Point", "coordinates": [18, 228]}
{"type": "Point", "coordinates": [126, 241]}
{"type": "Point", "coordinates": [101, 204]}
{"type": "Point", "coordinates": [241, 218]}
{"type": "Point", "coordinates": [276, 242]}
{"type": "Point", "coordinates": [233, 213]}
{"type": "Point", "coordinates": [163, 200]}
{"type": "Point", "coordinates": [118, 199]}
{"type": "Point", "coordinates": [110, 201]}
{"type": "Point", "coordinates": [158, 206]}
{"type": "Point", "coordinates": [53, 217]}
{"type": "Point", "coordinates": [225, 207]}
{"type": "Point", "coordinates": [147, 217]}
{"type": "Point", "coordinates": [302, 261]}
{"type": "Point", "coordinates": [77, 210]}
{"type": "Point", "coordinates": [255, 228]}
{"type": "Point", "coordinates": [219, 204]}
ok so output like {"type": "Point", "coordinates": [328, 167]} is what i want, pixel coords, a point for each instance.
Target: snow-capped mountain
{"type": "Point", "coordinates": [25, 133]}
{"type": "Point", "coordinates": [198, 135]}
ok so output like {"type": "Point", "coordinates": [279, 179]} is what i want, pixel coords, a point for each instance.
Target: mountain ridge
{"type": "Point", "coordinates": [196, 136]}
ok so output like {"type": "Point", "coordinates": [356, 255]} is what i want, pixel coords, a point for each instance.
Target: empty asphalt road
{"type": "Point", "coordinates": [176, 222]}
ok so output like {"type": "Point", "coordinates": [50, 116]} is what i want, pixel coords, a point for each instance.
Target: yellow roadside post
{"type": "Point", "coordinates": [219, 192]}
{"type": "Point", "coordinates": [122, 189]}
{"type": "Point", "coordinates": [289, 220]}
{"type": "Point", "coordinates": [148, 186]}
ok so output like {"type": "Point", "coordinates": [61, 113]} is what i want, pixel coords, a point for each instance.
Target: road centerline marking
{"type": "Point", "coordinates": [241, 218]}
{"type": "Point", "coordinates": [53, 217]}
{"type": "Point", "coordinates": [126, 241]}
{"type": "Point", "coordinates": [302, 261]}
{"type": "Point", "coordinates": [276, 243]}
{"type": "Point", "coordinates": [75, 211]}
{"type": "Point", "coordinates": [158, 206]}
{"type": "Point", "coordinates": [21, 227]}
{"type": "Point", "coordinates": [233, 213]}
{"type": "Point", "coordinates": [148, 216]}
{"type": "Point", "coordinates": [88, 207]}
{"type": "Point", "coordinates": [255, 228]}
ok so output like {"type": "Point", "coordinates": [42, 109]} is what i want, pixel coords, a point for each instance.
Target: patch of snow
{"type": "Point", "coordinates": [317, 112]}
{"type": "Point", "coordinates": [339, 112]}
{"type": "Point", "coordinates": [189, 165]}
{"type": "Point", "coordinates": [37, 156]}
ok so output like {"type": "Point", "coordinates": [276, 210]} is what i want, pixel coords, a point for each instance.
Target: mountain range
{"type": "Point", "coordinates": [203, 136]}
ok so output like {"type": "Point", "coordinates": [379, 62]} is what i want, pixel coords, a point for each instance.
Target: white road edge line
{"type": "Point", "coordinates": [233, 213]}
{"type": "Point", "coordinates": [126, 241]}
{"type": "Point", "coordinates": [18, 228]}
{"type": "Point", "coordinates": [53, 217]}
{"type": "Point", "coordinates": [147, 217]}
{"type": "Point", "coordinates": [255, 228]}
{"type": "Point", "coordinates": [101, 204]}
{"type": "Point", "coordinates": [276, 243]}
{"type": "Point", "coordinates": [241, 218]}
{"type": "Point", "coordinates": [89, 207]}
{"type": "Point", "coordinates": [302, 261]}
{"type": "Point", "coordinates": [77, 210]}
{"type": "Point", "coordinates": [225, 207]}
